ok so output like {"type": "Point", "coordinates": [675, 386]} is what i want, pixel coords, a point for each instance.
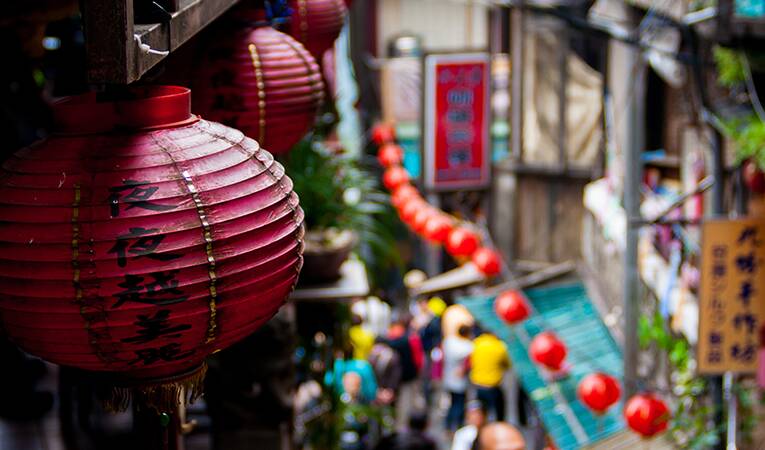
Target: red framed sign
{"type": "Point", "coordinates": [456, 123]}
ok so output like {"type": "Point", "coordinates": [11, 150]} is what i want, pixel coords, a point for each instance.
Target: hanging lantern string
{"type": "Point", "coordinates": [641, 384]}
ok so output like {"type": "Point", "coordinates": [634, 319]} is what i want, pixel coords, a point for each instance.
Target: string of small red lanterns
{"type": "Point", "coordinates": [646, 414]}
{"type": "Point", "coordinates": [429, 222]}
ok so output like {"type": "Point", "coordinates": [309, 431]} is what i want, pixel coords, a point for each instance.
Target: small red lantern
{"type": "Point", "coordinates": [647, 415]}
{"type": "Point", "coordinates": [421, 218]}
{"type": "Point", "coordinates": [512, 307]}
{"type": "Point", "coordinates": [383, 133]}
{"type": "Point", "coordinates": [437, 228]}
{"type": "Point", "coordinates": [402, 194]}
{"type": "Point", "coordinates": [461, 242]}
{"type": "Point", "coordinates": [754, 177]}
{"type": "Point", "coordinates": [390, 154]}
{"type": "Point", "coordinates": [138, 238]}
{"type": "Point", "coordinates": [317, 23]}
{"type": "Point", "coordinates": [394, 177]}
{"type": "Point", "coordinates": [262, 82]}
{"type": "Point", "coordinates": [599, 391]}
{"type": "Point", "coordinates": [487, 261]}
{"type": "Point", "coordinates": [410, 209]}
{"type": "Point", "coordinates": [547, 350]}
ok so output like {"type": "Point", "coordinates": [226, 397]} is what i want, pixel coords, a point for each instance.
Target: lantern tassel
{"type": "Point", "coordinates": [160, 395]}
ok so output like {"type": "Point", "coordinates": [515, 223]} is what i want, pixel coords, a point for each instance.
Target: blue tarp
{"type": "Point", "coordinates": [567, 311]}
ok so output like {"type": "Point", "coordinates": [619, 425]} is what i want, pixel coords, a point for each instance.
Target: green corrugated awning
{"type": "Point", "coordinates": [567, 311]}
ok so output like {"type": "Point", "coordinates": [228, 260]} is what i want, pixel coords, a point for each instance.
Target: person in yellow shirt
{"type": "Point", "coordinates": [361, 339]}
{"type": "Point", "coordinates": [488, 364]}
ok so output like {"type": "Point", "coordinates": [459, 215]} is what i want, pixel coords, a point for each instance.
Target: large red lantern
{"type": "Point", "coordinates": [139, 238]}
{"type": "Point", "coordinates": [261, 81]}
{"type": "Point", "coordinates": [317, 23]}
{"type": "Point", "coordinates": [390, 154]}
{"type": "Point", "coordinates": [647, 415]}
{"type": "Point", "coordinates": [547, 350]}
{"type": "Point", "coordinates": [599, 391]}
{"type": "Point", "coordinates": [487, 261]}
{"type": "Point", "coordinates": [461, 242]}
{"type": "Point", "coordinates": [437, 228]}
{"type": "Point", "coordinates": [511, 306]}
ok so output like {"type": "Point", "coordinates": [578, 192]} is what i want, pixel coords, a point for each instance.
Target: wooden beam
{"type": "Point", "coordinates": [109, 45]}
{"type": "Point", "coordinates": [526, 265]}
{"type": "Point", "coordinates": [463, 276]}
{"type": "Point", "coordinates": [545, 170]}
{"type": "Point", "coordinates": [353, 283]}
{"type": "Point", "coordinates": [533, 279]}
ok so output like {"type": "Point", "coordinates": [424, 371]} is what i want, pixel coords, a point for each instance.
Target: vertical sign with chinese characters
{"type": "Point", "coordinates": [732, 297]}
{"type": "Point", "coordinates": [456, 121]}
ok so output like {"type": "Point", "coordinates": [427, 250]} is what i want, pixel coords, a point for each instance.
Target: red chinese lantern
{"type": "Point", "coordinates": [410, 209]}
{"type": "Point", "coordinates": [383, 133]}
{"type": "Point", "coordinates": [461, 242]}
{"type": "Point", "coordinates": [138, 238]}
{"type": "Point", "coordinates": [599, 391]}
{"type": "Point", "coordinates": [647, 415]}
{"type": "Point", "coordinates": [317, 23]}
{"type": "Point", "coordinates": [487, 261]}
{"type": "Point", "coordinates": [390, 154]}
{"type": "Point", "coordinates": [261, 81]}
{"type": "Point", "coordinates": [402, 194]}
{"type": "Point", "coordinates": [437, 228]}
{"type": "Point", "coordinates": [421, 217]}
{"type": "Point", "coordinates": [511, 306]}
{"type": "Point", "coordinates": [394, 177]}
{"type": "Point", "coordinates": [754, 177]}
{"type": "Point", "coordinates": [547, 350]}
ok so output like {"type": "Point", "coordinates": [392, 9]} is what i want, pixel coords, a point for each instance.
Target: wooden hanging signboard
{"type": "Point", "coordinates": [732, 296]}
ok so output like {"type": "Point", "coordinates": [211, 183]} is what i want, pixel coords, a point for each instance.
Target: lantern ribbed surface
{"type": "Point", "coordinates": [260, 81]}
{"type": "Point", "coordinates": [139, 238]}
{"type": "Point", "coordinates": [317, 23]}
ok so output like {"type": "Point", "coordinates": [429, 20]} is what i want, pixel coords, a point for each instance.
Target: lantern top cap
{"type": "Point", "coordinates": [128, 109]}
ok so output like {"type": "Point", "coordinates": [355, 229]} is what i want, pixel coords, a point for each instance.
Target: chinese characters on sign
{"type": "Point", "coordinates": [732, 300]}
{"type": "Point", "coordinates": [456, 134]}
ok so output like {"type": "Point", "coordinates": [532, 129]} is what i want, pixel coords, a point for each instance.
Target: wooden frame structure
{"type": "Point", "coordinates": [116, 45]}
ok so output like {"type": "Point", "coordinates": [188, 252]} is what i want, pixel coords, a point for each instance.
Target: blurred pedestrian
{"type": "Point", "coordinates": [488, 365]}
{"type": "Point", "coordinates": [345, 363]}
{"type": "Point", "coordinates": [475, 417]}
{"type": "Point", "coordinates": [457, 350]}
{"type": "Point", "coordinates": [430, 335]}
{"type": "Point", "coordinates": [412, 438]}
{"type": "Point", "coordinates": [387, 367]}
{"type": "Point", "coordinates": [408, 346]}
{"type": "Point", "coordinates": [499, 436]}
{"type": "Point", "coordinates": [361, 339]}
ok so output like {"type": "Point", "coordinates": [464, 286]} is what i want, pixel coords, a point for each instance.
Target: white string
{"type": "Point", "coordinates": [145, 48]}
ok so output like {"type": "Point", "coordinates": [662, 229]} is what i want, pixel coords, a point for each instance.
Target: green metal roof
{"type": "Point", "coordinates": [567, 311]}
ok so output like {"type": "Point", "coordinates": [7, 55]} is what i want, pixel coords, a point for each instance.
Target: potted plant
{"type": "Point", "coordinates": [344, 210]}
